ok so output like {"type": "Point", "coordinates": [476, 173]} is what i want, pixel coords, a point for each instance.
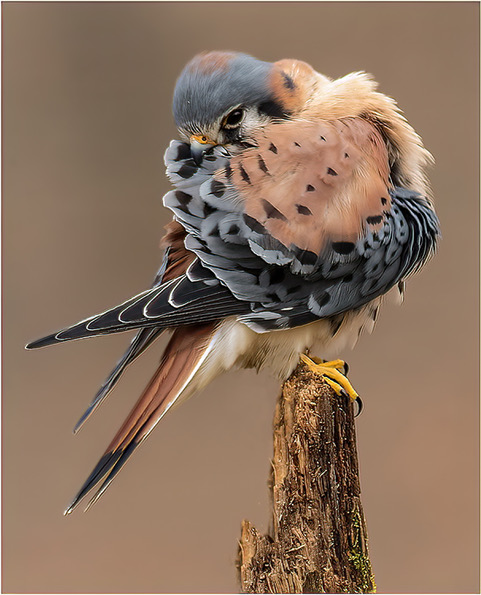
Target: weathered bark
{"type": "Point", "coordinates": [318, 539]}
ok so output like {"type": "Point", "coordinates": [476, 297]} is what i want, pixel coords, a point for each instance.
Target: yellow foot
{"type": "Point", "coordinates": [334, 373]}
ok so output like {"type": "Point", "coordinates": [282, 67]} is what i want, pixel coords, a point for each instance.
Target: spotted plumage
{"type": "Point", "coordinates": [298, 203]}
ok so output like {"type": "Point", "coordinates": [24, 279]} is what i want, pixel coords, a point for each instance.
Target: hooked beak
{"type": "Point", "coordinates": [199, 145]}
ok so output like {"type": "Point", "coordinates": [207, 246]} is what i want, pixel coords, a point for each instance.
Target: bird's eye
{"type": "Point", "coordinates": [233, 119]}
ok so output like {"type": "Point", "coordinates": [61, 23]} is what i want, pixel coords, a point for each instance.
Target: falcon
{"type": "Point", "coordinates": [298, 202]}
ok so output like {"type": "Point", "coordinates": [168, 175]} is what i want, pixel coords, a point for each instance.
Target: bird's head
{"type": "Point", "coordinates": [224, 98]}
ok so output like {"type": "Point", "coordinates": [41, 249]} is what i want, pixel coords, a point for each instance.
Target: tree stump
{"type": "Point", "coordinates": [317, 542]}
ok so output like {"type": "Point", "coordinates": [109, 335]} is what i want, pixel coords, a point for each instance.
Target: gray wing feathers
{"type": "Point", "coordinates": [285, 285]}
{"type": "Point", "coordinates": [175, 303]}
{"type": "Point", "coordinates": [241, 269]}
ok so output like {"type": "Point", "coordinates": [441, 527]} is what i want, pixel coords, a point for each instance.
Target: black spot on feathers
{"type": "Point", "coordinates": [272, 212]}
{"type": "Point", "coordinates": [228, 171]}
{"type": "Point", "coordinates": [217, 188]}
{"type": "Point", "coordinates": [253, 224]}
{"type": "Point", "coordinates": [244, 174]}
{"type": "Point", "coordinates": [183, 198]}
{"type": "Point", "coordinates": [343, 247]}
{"type": "Point", "coordinates": [183, 152]}
{"type": "Point", "coordinates": [303, 210]}
{"type": "Point", "coordinates": [262, 164]}
{"type": "Point", "coordinates": [186, 171]}
{"type": "Point", "coordinates": [306, 257]}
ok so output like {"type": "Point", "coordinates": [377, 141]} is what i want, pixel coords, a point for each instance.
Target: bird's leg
{"type": "Point", "coordinates": [334, 373]}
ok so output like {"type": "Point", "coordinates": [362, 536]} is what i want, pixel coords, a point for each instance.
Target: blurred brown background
{"type": "Point", "coordinates": [86, 116]}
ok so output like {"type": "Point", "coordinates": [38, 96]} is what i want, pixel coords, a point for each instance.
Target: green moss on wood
{"type": "Point", "coordinates": [358, 555]}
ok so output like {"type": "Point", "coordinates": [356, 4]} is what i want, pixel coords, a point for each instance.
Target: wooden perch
{"type": "Point", "coordinates": [318, 540]}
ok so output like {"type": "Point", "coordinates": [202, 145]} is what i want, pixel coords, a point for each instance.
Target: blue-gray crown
{"type": "Point", "coordinates": [214, 82]}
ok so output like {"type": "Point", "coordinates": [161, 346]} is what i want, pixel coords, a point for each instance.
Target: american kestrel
{"type": "Point", "coordinates": [298, 202]}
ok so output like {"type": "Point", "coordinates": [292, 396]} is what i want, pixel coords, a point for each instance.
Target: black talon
{"type": "Point", "coordinates": [360, 406]}
{"type": "Point", "coordinates": [346, 369]}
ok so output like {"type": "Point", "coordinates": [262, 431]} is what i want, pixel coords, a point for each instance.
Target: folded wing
{"type": "Point", "coordinates": [305, 225]}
